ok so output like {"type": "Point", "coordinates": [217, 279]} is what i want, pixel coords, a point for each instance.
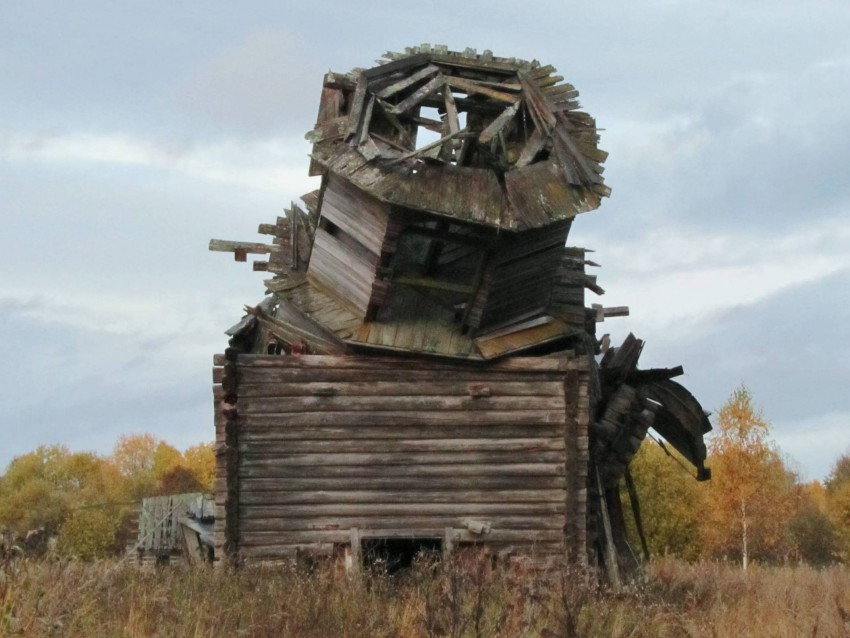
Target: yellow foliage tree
{"type": "Point", "coordinates": [838, 503]}
{"type": "Point", "coordinates": [143, 461]}
{"type": "Point", "coordinates": [815, 536]}
{"type": "Point", "coordinates": [200, 460]}
{"type": "Point", "coordinates": [751, 494]}
{"type": "Point", "coordinates": [671, 503]}
{"type": "Point", "coordinates": [77, 495]}
{"type": "Point", "coordinates": [86, 499]}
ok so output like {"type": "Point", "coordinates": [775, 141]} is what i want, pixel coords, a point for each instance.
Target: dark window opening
{"type": "Point", "coordinates": [427, 132]}
{"type": "Point", "coordinates": [328, 226]}
{"type": "Point", "coordinates": [391, 555]}
{"type": "Point", "coordinates": [274, 347]}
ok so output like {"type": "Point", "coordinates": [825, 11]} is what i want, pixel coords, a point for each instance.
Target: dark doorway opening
{"type": "Point", "coordinates": [393, 554]}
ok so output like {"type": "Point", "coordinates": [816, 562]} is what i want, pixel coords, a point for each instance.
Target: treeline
{"type": "Point", "coordinates": [84, 504]}
{"type": "Point", "coordinates": [753, 508]}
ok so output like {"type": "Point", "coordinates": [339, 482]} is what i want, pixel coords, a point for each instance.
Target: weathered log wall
{"type": "Point", "coordinates": [347, 244]}
{"type": "Point", "coordinates": [317, 450]}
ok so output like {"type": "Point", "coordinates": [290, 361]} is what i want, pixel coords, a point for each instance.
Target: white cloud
{"type": "Point", "coordinates": [266, 83]}
{"type": "Point", "coordinates": [276, 164]}
{"type": "Point", "coordinates": [815, 442]}
{"type": "Point", "coordinates": [677, 277]}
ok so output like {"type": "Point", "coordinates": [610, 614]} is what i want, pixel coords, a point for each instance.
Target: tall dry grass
{"type": "Point", "coordinates": [456, 598]}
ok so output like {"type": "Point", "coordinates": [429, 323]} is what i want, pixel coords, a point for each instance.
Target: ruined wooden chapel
{"type": "Point", "coordinates": [424, 367]}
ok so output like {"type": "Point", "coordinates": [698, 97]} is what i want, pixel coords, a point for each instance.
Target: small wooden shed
{"type": "Point", "coordinates": [424, 366]}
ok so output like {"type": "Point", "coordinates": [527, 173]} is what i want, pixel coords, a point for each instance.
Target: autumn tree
{"type": "Point", "coordinates": [55, 490]}
{"type": "Point", "coordinates": [200, 460]}
{"type": "Point", "coordinates": [670, 502]}
{"type": "Point", "coordinates": [38, 488]}
{"type": "Point", "coordinates": [838, 503]}
{"type": "Point", "coordinates": [143, 461]}
{"type": "Point", "coordinates": [815, 536]}
{"type": "Point", "coordinates": [87, 501]}
{"type": "Point", "coordinates": [751, 494]}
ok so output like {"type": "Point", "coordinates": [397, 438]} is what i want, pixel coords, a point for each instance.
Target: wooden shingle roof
{"type": "Point", "coordinates": [512, 150]}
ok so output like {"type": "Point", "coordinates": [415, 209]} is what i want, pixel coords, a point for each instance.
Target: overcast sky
{"type": "Point", "coordinates": [132, 133]}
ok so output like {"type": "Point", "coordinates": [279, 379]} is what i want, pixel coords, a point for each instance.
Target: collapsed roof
{"type": "Point", "coordinates": [452, 247]}
{"type": "Point", "coordinates": [512, 150]}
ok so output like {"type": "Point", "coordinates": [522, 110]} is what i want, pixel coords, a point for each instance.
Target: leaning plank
{"type": "Point", "coordinates": [425, 73]}
{"type": "Point", "coordinates": [357, 104]}
{"type": "Point", "coordinates": [473, 87]}
{"type": "Point", "coordinates": [424, 149]}
{"type": "Point", "coordinates": [496, 126]}
{"type": "Point", "coordinates": [430, 87]}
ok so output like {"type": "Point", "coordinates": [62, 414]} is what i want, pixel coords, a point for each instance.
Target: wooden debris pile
{"type": "Point", "coordinates": [434, 254]}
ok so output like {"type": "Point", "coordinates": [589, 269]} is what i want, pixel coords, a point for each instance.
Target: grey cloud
{"type": "Point", "coordinates": [267, 84]}
{"type": "Point", "coordinates": [791, 349]}
{"type": "Point", "coordinates": [85, 387]}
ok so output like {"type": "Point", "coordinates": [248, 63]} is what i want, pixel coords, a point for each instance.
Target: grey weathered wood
{"type": "Point", "coordinates": [409, 80]}
{"type": "Point", "coordinates": [356, 388]}
{"type": "Point", "coordinates": [302, 497]}
{"type": "Point", "coordinates": [221, 245]}
{"type": "Point", "coordinates": [314, 404]}
{"type": "Point", "coordinates": [479, 470]}
{"type": "Point", "coordinates": [411, 485]}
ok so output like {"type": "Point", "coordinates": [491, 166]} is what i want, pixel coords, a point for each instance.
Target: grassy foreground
{"type": "Point", "coordinates": [458, 598]}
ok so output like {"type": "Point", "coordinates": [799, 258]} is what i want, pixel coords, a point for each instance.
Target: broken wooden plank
{"type": "Point", "coordinates": [420, 94]}
{"type": "Point", "coordinates": [225, 246]}
{"type": "Point", "coordinates": [497, 126]}
{"type": "Point", "coordinates": [425, 73]}
{"type": "Point", "coordinates": [473, 87]}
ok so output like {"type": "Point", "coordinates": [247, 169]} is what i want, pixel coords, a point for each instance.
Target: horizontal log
{"type": "Point", "coordinates": [261, 458]}
{"type": "Point", "coordinates": [256, 375]}
{"type": "Point", "coordinates": [401, 419]}
{"type": "Point", "coordinates": [470, 510]}
{"type": "Point", "coordinates": [410, 485]}
{"type": "Point", "coordinates": [248, 496]}
{"type": "Point", "coordinates": [281, 554]}
{"type": "Point", "coordinates": [251, 526]}
{"type": "Point", "coordinates": [265, 543]}
{"type": "Point", "coordinates": [277, 405]}
{"type": "Point", "coordinates": [353, 473]}
{"type": "Point", "coordinates": [544, 552]}
{"type": "Point", "coordinates": [394, 432]}
{"type": "Point", "coordinates": [374, 446]}
{"type": "Point", "coordinates": [399, 388]}
{"type": "Point", "coordinates": [528, 364]}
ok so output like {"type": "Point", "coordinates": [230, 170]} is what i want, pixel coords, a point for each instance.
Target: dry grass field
{"type": "Point", "coordinates": [458, 598]}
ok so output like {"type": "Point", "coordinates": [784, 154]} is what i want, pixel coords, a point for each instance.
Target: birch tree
{"type": "Point", "coordinates": [751, 494]}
